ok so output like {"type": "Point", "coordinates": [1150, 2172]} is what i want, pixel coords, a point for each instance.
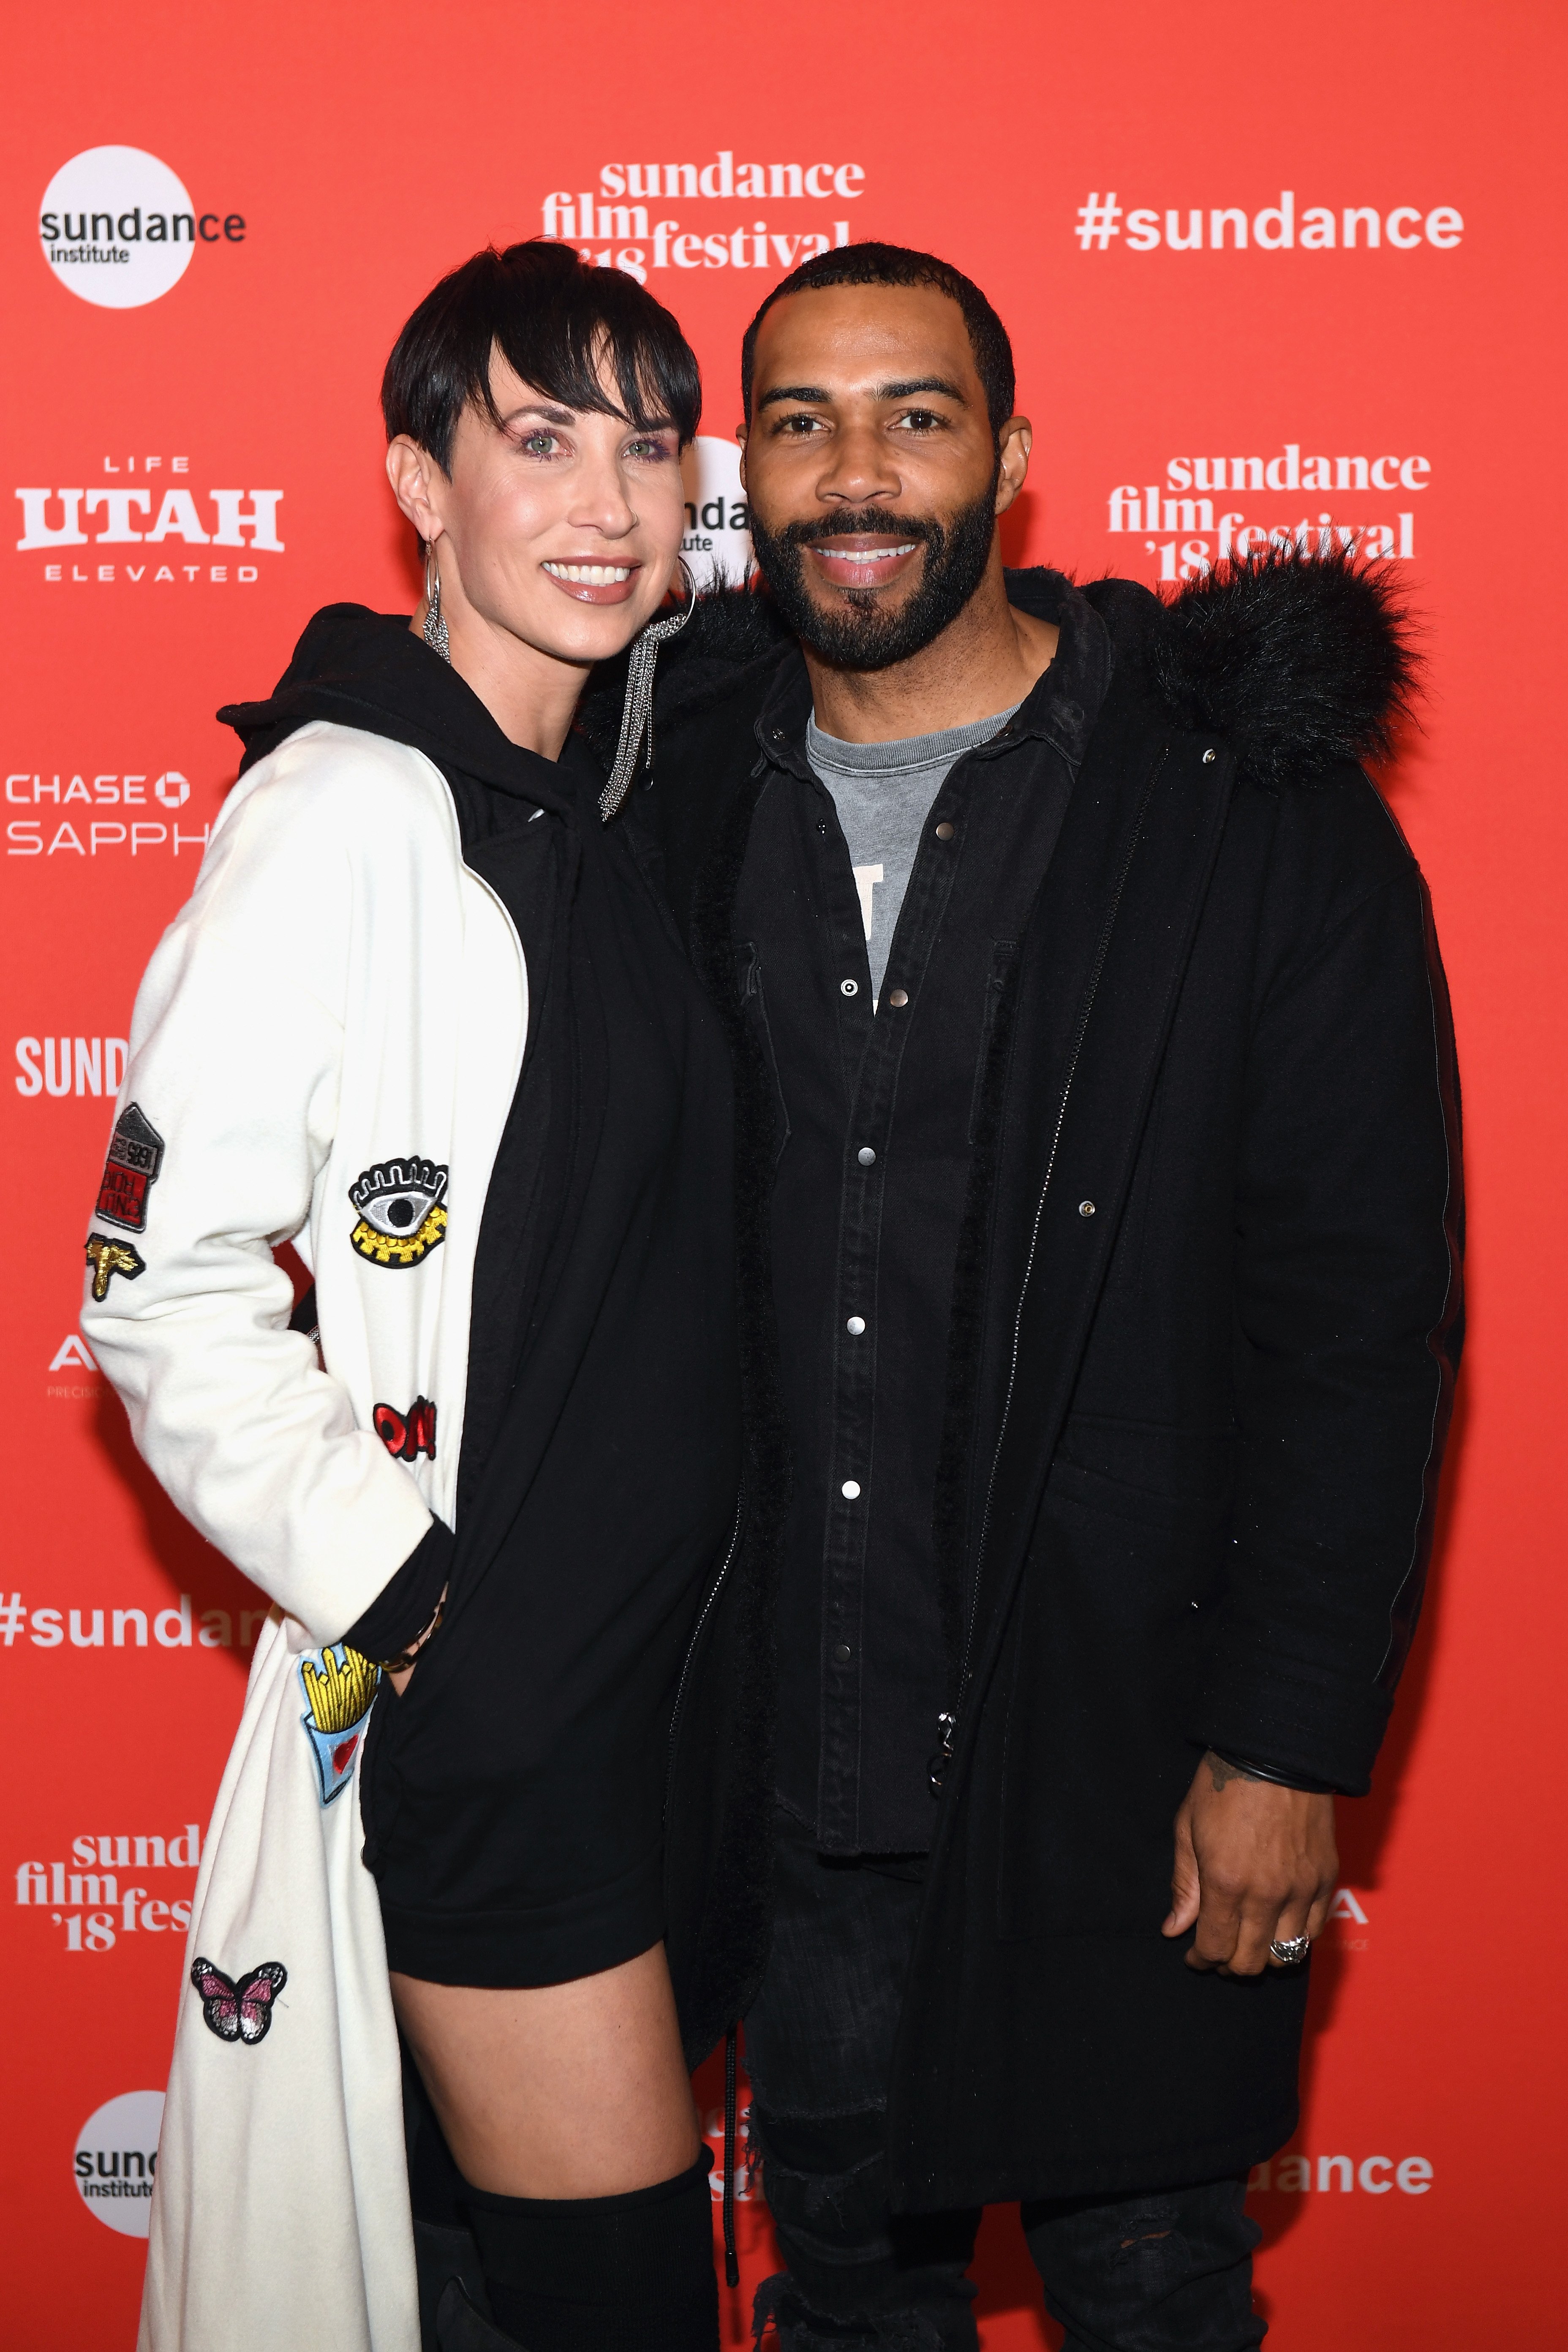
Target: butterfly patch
{"type": "Point", "coordinates": [402, 1210]}
{"type": "Point", "coordinates": [242, 2012]}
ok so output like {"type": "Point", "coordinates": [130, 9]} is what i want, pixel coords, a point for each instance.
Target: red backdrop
{"type": "Point", "coordinates": [1265, 270]}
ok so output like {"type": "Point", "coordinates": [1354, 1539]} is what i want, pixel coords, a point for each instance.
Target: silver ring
{"type": "Point", "coordinates": [1290, 1951]}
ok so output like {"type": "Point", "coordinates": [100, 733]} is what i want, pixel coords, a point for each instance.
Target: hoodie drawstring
{"type": "Point", "coordinates": [731, 2260]}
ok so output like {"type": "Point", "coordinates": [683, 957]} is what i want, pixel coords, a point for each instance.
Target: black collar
{"type": "Point", "coordinates": [369, 670]}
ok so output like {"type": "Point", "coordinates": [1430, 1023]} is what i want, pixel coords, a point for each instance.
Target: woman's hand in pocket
{"type": "Point", "coordinates": [399, 1675]}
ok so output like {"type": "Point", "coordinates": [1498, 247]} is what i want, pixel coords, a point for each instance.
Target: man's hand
{"type": "Point", "coordinates": [1255, 1865]}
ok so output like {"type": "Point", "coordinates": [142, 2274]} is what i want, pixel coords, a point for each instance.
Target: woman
{"type": "Point", "coordinates": [423, 1017]}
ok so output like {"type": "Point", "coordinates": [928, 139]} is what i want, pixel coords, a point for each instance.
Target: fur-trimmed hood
{"type": "Point", "coordinates": [1300, 663]}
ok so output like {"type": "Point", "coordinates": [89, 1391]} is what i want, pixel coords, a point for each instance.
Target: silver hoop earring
{"type": "Point", "coordinates": [434, 627]}
{"type": "Point", "coordinates": [636, 710]}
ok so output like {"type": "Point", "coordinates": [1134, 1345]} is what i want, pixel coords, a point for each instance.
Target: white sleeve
{"type": "Point", "coordinates": [236, 1050]}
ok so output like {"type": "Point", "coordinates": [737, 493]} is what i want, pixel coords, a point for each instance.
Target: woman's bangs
{"type": "Point", "coordinates": [566, 351]}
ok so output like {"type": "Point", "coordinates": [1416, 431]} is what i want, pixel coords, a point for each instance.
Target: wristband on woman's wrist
{"type": "Point", "coordinates": [404, 1613]}
{"type": "Point", "coordinates": [406, 1658]}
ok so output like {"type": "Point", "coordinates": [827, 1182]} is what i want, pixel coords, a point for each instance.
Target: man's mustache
{"type": "Point", "coordinates": [870, 521]}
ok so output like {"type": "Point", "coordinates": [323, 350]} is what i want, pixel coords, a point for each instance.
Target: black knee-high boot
{"type": "Point", "coordinates": [632, 2274]}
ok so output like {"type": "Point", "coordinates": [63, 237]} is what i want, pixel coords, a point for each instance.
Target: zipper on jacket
{"type": "Point", "coordinates": [703, 1614]}
{"type": "Point", "coordinates": [947, 1723]}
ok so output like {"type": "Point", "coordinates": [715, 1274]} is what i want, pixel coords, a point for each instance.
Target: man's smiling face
{"type": "Point", "coordinates": [870, 468]}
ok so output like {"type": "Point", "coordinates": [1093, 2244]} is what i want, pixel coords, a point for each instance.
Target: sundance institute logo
{"type": "Point", "coordinates": [118, 228]}
{"type": "Point", "coordinates": [116, 2159]}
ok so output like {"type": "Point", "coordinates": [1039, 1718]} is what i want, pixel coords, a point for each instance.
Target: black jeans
{"type": "Point", "coordinates": [1170, 2270]}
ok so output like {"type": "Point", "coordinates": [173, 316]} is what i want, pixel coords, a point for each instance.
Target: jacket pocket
{"type": "Point", "coordinates": [1003, 956]}
{"type": "Point", "coordinates": [378, 1783]}
{"type": "Point", "coordinates": [755, 1008]}
{"type": "Point", "coordinates": [1165, 1476]}
{"type": "Point", "coordinates": [1105, 1649]}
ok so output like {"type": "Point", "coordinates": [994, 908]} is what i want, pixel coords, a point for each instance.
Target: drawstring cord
{"type": "Point", "coordinates": [636, 710]}
{"type": "Point", "coordinates": [731, 2260]}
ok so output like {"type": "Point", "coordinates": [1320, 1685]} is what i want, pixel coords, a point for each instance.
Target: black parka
{"type": "Point", "coordinates": [1193, 1433]}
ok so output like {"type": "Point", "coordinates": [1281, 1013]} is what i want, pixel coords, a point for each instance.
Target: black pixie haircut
{"type": "Point", "coordinates": [552, 317]}
{"type": "Point", "coordinates": [900, 265]}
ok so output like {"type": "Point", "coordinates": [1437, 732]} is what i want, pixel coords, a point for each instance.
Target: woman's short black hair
{"type": "Point", "coordinates": [900, 265]}
{"type": "Point", "coordinates": [554, 319]}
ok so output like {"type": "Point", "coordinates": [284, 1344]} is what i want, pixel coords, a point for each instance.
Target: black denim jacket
{"type": "Point", "coordinates": [875, 1118]}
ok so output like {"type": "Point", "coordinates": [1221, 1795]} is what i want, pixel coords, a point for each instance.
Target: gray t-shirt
{"type": "Point", "coordinates": [883, 793]}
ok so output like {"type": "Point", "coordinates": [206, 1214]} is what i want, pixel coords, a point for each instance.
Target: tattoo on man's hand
{"type": "Point", "coordinates": [1220, 1771]}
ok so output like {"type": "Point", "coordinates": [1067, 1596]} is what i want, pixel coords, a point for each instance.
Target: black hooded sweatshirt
{"type": "Point", "coordinates": [513, 1796]}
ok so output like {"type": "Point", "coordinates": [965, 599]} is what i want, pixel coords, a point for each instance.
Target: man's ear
{"type": "Point", "coordinates": [740, 437]}
{"type": "Point", "coordinates": [1014, 443]}
{"type": "Point", "coordinates": [414, 476]}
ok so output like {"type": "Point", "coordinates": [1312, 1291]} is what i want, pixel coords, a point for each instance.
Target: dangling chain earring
{"type": "Point", "coordinates": [636, 711]}
{"type": "Point", "coordinates": [434, 627]}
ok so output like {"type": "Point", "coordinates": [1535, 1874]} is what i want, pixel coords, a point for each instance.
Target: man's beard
{"type": "Point", "coordinates": [855, 630]}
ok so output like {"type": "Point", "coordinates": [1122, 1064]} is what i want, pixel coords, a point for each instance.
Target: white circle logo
{"type": "Point", "coordinates": [718, 536]}
{"type": "Point", "coordinates": [116, 2156]}
{"type": "Point", "coordinates": [117, 226]}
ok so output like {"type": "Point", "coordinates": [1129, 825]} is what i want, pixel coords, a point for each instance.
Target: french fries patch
{"type": "Point", "coordinates": [339, 1686]}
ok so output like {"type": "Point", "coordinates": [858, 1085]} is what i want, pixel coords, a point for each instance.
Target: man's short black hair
{"type": "Point", "coordinates": [552, 317]}
{"type": "Point", "coordinates": [898, 265]}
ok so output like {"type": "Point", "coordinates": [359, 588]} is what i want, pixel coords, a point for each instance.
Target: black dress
{"type": "Point", "coordinates": [513, 1796]}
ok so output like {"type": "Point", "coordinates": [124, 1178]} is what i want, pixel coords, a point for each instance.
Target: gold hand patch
{"type": "Point", "coordinates": [107, 1258]}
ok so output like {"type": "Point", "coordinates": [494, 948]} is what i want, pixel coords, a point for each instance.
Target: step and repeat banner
{"type": "Point", "coordinates": [1281, 275]}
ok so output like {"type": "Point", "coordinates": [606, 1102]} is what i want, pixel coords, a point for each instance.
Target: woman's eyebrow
{"type": "Point", "coordinates": [550, 414]}
{"type": "Point", "coordinates": [543, 409]}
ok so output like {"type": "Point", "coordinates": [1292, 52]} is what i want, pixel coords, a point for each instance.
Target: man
{"type": "Point", "coordinates": [1099, 1205]}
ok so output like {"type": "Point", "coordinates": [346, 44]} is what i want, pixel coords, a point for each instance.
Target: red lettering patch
{"type": "Point", "coordinates": [406, 1435]}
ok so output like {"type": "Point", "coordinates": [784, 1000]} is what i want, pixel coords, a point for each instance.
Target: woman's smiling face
{"type": "Point", "coordinates": [561, 528]}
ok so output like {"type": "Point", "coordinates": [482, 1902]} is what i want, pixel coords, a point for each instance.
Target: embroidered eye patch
{"type": "Point", "coordinates": [402, 1211]}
